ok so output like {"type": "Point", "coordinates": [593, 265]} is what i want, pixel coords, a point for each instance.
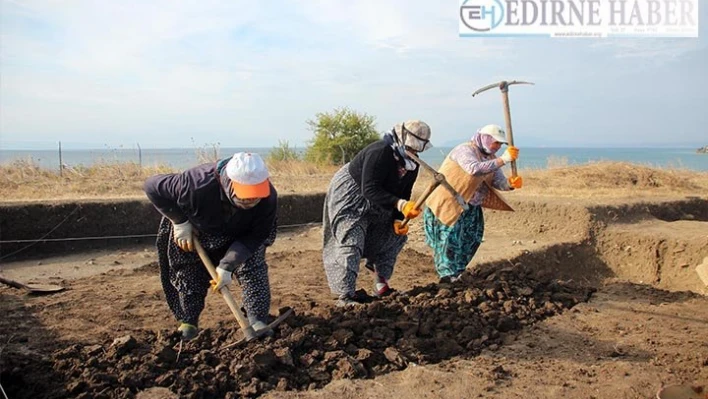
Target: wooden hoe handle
{"type": "Point", "coordinates": [225, 293]}
{"type": "Point", "coordinates": [421, 200]}
{"type": "Point", "coordinates": [439, 180]}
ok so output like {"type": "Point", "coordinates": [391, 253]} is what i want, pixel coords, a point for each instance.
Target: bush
{"type": "Point", "coordinates": [340, 135]}
{"type": "Point", "coordinates": [283, 152]}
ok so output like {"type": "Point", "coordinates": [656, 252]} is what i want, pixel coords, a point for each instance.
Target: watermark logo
{"type": "Point", "coordinates": [482, 15]}
{"type": "Point", "coordinates": [579, 18]}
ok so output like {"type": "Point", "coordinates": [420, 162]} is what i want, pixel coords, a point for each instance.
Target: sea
{"type": "Point", "coordinates": [529, 158]}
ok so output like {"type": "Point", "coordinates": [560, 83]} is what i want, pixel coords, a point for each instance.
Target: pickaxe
{"type": "Point", "coordinates": [439, 180]}
{"type": "Point", "coordinates": [504, 87]}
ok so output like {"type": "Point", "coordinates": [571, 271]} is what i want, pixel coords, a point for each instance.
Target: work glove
{"type": "Point", "coordinates": [511, 154]}
{"type": "Point", "coordinates": [184, 236]}
{"type": "Point", "coordinates": [398, 230]}
{"type": "Point", "coordinates": [408, 209]}
{"type": "Point", "coordinates": [223, 280]}
{"type": "Point", "coordinates": [515, 182]}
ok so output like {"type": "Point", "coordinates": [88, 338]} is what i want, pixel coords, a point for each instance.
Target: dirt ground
{"type": "Point", "coordinates": [566, 298]}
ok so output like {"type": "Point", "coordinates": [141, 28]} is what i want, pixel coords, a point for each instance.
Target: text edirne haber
{"type": "Point", "coordinates": [590, 12]}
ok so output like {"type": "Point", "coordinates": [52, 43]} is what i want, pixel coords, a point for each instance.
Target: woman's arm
{"type": "Point", "coordinates": [467, 158]}
{"type": "Point", "coordinates": [164, 192]}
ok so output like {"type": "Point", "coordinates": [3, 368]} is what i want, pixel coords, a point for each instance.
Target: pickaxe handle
{"type": "Point", "coordinates": [248, 331]}
{"type": "Point", "coordinates": [509, 130]}
{"type": "Point", "coordinates": [504, 87]}
{"type": "Point", "coordinates": [421, 200]}
{"type": "Point", "coordinates": [439, 180]}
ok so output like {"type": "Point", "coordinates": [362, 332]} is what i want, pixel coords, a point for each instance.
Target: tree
{"type": "Point", "coordinates": [339, 135]}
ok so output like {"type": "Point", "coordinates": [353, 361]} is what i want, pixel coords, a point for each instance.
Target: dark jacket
{"type": "Point", "coordinates": [196, 195]}
{"type": "Point", "coordinates": [383, 179]}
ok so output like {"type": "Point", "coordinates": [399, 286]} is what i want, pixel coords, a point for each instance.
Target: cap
{"type": "Point", "coordinates": [495, 131]}
{"type": "Point", "coordinates": [249, 175]}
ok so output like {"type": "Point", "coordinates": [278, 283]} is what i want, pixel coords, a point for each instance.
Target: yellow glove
{"type": "Point", "coordinates": [400, 231]}
{"type": "Point", "coordinates": [408, 209]}
{"type": "Point", "coordinates": [516, 182]}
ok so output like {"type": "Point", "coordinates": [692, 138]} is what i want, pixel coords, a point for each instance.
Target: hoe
{"type": "Point", "coordinates": [249, 333]}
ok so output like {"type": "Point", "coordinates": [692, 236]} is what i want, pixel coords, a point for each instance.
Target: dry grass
{"type": "Point", "coordinates": [614, 179]}
{"type": "Point", "coordinates": [601, 180]}
{"type": "Point", "coordinates": [300, 176]}
{"type": "Point", "coordinates": [25, 181]}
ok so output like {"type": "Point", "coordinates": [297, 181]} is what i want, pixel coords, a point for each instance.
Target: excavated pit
{"type": "Point", "coordinates": [655, 245]}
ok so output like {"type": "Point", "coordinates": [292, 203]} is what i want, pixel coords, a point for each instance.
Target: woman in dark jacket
{"type": "Point", "coordinates": [364, 207]}
{"type": "Point", "coordinates": [231, 206]}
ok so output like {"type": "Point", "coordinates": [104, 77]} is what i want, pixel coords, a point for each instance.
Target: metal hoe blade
{"type": "Point", "coordinates": [272, 326]}
{"type": "Point", "coordinates": [33, 288]}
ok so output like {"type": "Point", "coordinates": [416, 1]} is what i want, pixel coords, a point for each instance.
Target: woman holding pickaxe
{"type": "Point", "coordinates": [364, 209]}
{"type": "Point", "coordinates": [474, 171]}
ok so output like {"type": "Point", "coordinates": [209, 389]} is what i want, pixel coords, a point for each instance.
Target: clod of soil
{"type": "Point", "coordinates": [422, 326]}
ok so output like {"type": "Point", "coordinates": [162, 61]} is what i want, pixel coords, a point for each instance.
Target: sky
{"type": "Point", "coordinates": [171, 73]}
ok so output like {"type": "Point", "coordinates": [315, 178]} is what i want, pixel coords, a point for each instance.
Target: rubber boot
{"type": "Point", "coordinates": [188, 331]}
{"type": "Point", "coordinates": [357, 298]}
{"type": "Point", "coordinates": [262, 329]}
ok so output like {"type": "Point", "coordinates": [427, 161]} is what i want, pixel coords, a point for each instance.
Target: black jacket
{"type": "Point", "coordinates": [196, 195]}
{"type": "Point", "coordinates": [383, 179]}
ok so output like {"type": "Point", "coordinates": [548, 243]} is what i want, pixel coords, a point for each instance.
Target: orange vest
{"type": "Point", "coordinates": [444, 205]}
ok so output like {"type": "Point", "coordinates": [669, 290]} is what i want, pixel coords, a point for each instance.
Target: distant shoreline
{"type": "Point", "coordinates": [529, 157]}
{"type": "Point", "coordinates": [302, 148]}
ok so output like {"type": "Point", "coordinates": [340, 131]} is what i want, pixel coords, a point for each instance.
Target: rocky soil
{"type": "Point", "coordinates": [422, 326]}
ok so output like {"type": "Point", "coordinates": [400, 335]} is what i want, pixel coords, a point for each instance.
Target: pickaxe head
{"type": "Point", "coordinates": [503, 86]}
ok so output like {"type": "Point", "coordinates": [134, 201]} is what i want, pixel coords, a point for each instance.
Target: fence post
{"type": "Point", "coordinates": [140, 156]}
{"type": "Point", "coordinates": [61, 164]}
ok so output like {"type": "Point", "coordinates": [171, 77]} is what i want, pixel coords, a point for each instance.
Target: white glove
{"type": "Point", "coordinates": [400, 204]}
{"type": "Point", "coordinates": [183, 236]}
{"type": "Point", "coordinates": [511, 154]}
{"type": "Point", "coordinates": [224, 279]}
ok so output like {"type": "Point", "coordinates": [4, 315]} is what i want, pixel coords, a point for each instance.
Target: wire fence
{"type": "Point", "coordinates": [60, 155]}
{"type": "Point", "coordinates": [33, 242]}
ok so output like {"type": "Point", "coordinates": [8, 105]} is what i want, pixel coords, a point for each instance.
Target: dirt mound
{"type": "Point", "coordinates": [615, 175]}
{"type": "Point", "coordinates": [425, 325]}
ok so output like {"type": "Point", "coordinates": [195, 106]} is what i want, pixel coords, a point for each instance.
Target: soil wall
{"type": "Point", "coordinates": [544, 218]}
{"type": "Point", "coordinates": [33, 229]}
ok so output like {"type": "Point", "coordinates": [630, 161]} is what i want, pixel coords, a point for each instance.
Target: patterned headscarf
{"type": "Point", "coordinates": [399, 150]}
{"type": "Point", "coordinates": [484, 142]}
